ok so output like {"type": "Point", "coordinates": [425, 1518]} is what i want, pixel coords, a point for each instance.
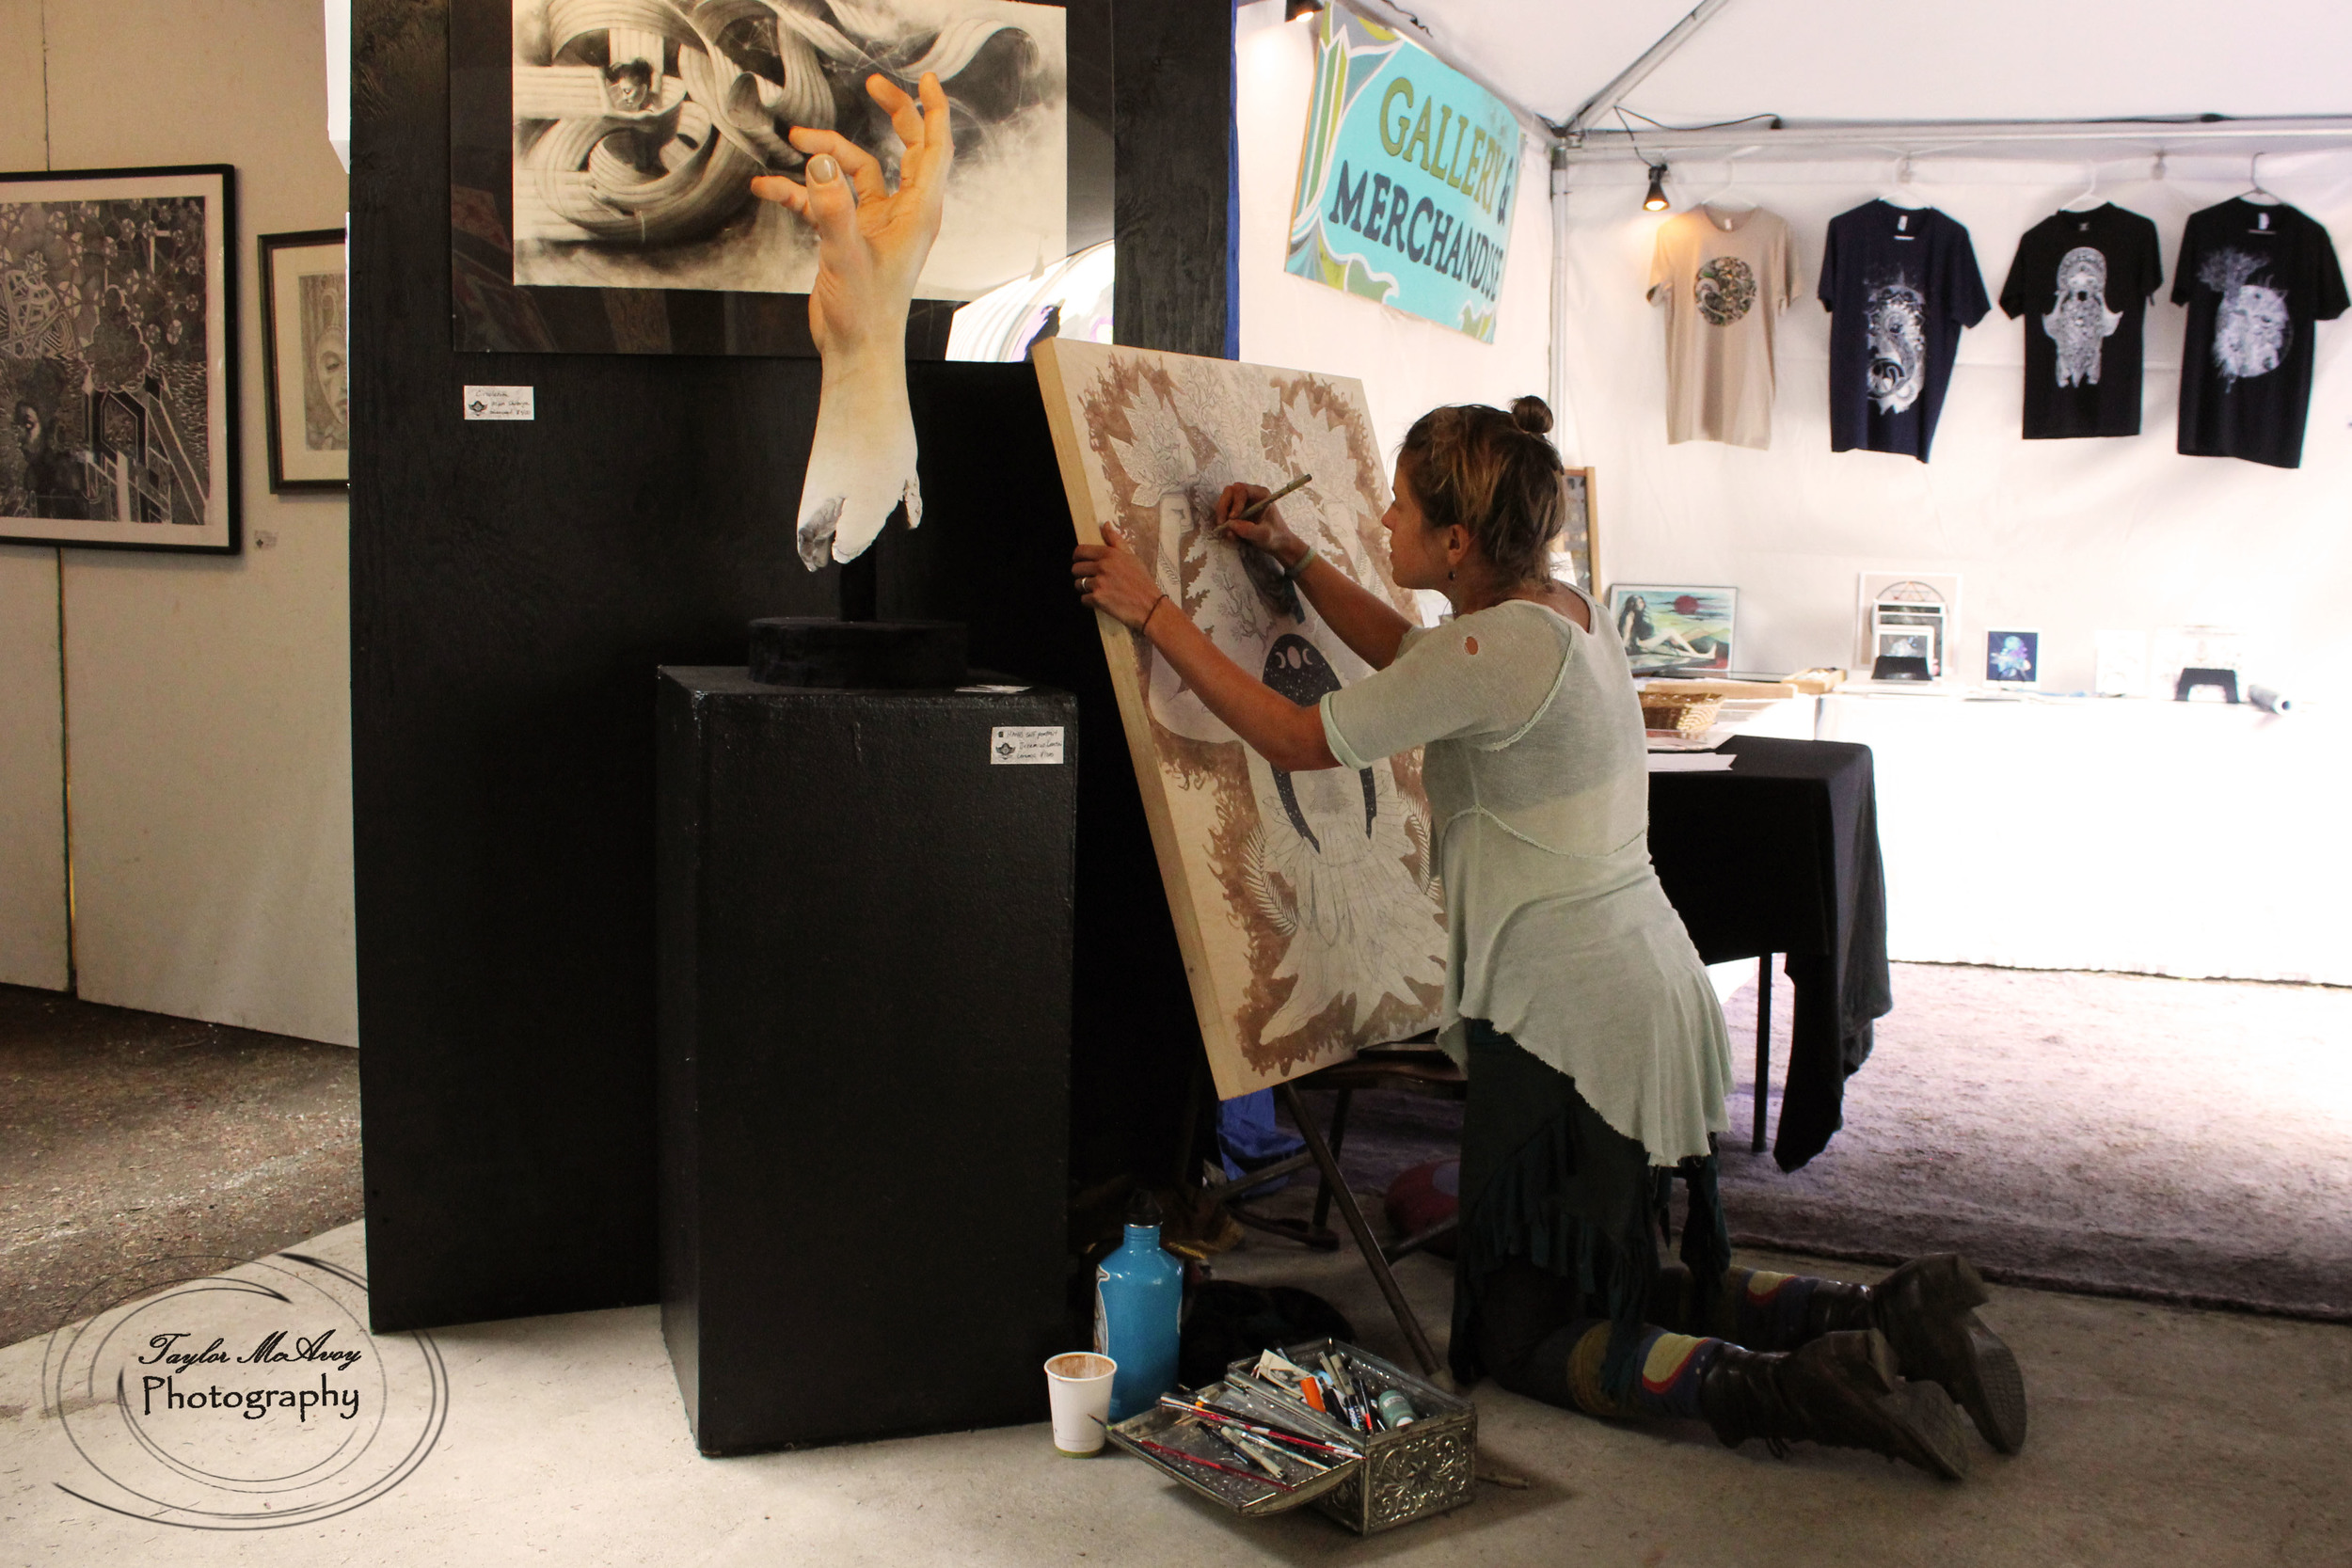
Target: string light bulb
{"type": "Point", "coordinates": [1656, 201]}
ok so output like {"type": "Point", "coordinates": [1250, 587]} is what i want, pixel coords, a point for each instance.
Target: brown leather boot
{"type": "Point", "coordinates": [1926, 1310]}
{"type": "Point", "coordinates": [1841, 1391]}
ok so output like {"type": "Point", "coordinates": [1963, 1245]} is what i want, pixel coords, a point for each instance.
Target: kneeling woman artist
{"type": "Point", "coordinates": [1594, 1043]}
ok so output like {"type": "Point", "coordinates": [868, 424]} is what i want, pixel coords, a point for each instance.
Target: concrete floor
{"type": "Point", "coordinates": [127, 1137]}
{"type": "Point", "coordinates": [2161, 1435]}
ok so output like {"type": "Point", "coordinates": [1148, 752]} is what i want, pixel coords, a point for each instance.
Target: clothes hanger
{"type": "Point", "coordinates": [1901, 193]}
{"type": "Point", "coordinates": [2076, 204]}
{"type": "Point", "coordinates": [2254, 185]}
{"type": "Point", "coordinates": [1715, 197]}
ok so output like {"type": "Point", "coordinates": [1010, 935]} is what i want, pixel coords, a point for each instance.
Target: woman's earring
{"type": "Point", "coordinates": [1448, 574]}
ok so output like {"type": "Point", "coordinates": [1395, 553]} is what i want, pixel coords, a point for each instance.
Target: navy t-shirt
{"type": "Point", "coordinates": [2254, 280]}
{"type": "Point", "coordinates": [2083, 280]}
{"type": "Point", "coordinates": [1899, 285]}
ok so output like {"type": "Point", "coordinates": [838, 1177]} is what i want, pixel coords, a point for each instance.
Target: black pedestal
{"type": "Point", "coordinates": [865, 930]}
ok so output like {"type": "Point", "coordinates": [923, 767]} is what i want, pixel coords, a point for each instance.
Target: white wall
{"type": "Point", "coordinates": [1407, 365]}
{"type": "Point", "coordinates": [2068, 536]}
{"type": "Point", "coordinates": [33, 895]}
{"type": "Point", "coordinates": [206, 699]}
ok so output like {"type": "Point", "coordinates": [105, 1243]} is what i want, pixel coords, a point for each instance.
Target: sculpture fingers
{"type": "Point", "coordinates": [865, 173]}
{"type": "Point", "coordinates": [931, 145]}
{"type": "Point", "coordinates": [831, 207]}
{"type": "Point", "coordinates": [783, 192]}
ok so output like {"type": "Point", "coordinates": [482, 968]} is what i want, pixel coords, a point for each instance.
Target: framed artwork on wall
{"type": "Point", "coordinates": [304, 348]}
{"type": "Point", "coordinates": [2012, 658]}
{"type": "Point", "coordinates": [602, 153]}
{"type": "Point", "coordinates": [1578, 558]}
{"type": "Point", "coordinates": [117, 358]}
{"type": "Point", "coordinates": [1674, 629]}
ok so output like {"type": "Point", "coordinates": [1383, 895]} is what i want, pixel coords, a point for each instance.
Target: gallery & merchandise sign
{"type": "Point", "coordinates": [1406, 181]}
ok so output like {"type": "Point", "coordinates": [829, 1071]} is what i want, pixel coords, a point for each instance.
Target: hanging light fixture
{"type": "Point", "coordinates": [1656, 201]}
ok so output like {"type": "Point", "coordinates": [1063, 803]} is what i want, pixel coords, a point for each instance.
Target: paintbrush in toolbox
{"type": "Point", "coordinates": [1210, 1464]}
{"type": "Point", "coordinates": [1281, 1444]}
{"type": "Point", "coordinates": [1226, 1417]}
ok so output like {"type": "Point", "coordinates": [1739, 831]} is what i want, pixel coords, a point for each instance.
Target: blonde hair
{"type": "Point", "coordinates": [1495, 474]}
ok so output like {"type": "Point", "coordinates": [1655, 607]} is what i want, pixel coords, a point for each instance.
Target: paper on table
{"type": "Point", "coordinates": [1691, 762]}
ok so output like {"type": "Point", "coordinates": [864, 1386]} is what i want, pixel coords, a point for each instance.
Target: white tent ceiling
{"type": "Point", "coordinates": [1914, 60]}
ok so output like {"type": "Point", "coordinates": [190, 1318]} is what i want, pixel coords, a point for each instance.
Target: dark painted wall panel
{"type": "Point", "coordinates": [513, 588]}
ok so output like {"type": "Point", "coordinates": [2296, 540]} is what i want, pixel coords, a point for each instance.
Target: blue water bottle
{"type": "Point", "coordinates": [1138, 1291]}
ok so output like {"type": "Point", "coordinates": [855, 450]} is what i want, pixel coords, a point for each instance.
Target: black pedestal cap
{"type": "Point", "coordinates": [846, 656]}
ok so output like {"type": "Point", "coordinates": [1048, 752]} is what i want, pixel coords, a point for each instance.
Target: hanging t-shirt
{"type": "Point", "coordinates": [2254, 280]}
{"type": "Point", "coordinates": [2083, 280]}
{"type": "Point", "coordinates": [1724, 277]}
{"type": "Point", "coordinates": [1900, 284]}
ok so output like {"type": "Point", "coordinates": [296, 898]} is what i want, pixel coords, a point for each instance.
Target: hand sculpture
{"type": "Point", "coordinates": [871, 244]}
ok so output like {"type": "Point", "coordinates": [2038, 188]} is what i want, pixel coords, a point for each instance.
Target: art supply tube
{"type": "Point", "coordinates": [1395, 1409]}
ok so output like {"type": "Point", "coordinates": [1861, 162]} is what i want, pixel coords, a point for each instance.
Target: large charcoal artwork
{"type": "Point", "coordinates": [628, 133]}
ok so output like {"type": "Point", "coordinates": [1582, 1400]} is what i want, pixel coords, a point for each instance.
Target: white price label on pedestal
{"type": "Point", "coordinates": [1018, 743]}
{"type": "Point", "coordinates": [499, 402]}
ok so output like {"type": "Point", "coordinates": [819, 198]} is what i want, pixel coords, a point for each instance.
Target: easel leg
{"type": "Point", "coordinates": [1374, 1259]}
{"type": "Point", "coordinates": [1763, 1048]}
{"type": "Point", "coordinates": [1339, 1135]}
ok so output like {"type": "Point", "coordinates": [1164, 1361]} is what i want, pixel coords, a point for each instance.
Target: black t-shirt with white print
{"type": "Point", "coordinates": [2254, 280]}
{"type": "Point", "coordinates": [2083, 280]}
{"type": "Point", "coordinates": [1900, 284]}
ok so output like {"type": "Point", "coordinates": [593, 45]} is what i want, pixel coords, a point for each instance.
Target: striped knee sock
{"type": "Point", "coordinates": [1667, 1384]}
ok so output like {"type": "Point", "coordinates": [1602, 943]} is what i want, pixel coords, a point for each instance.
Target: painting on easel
{"type": "Point", "coordinates": [1307, 904]}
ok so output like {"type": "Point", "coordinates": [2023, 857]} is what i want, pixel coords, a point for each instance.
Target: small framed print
{"type": "Point", "coordinates": [1576, 554]}
{"type": "Point", "coordinates": [1674, 629]}
{"type": "Point", "coordinates": [117, 358]}
{"type": "Point", "coordinates": [305, 353]}
{"type": "Point", "coordinates": [2012, 658]}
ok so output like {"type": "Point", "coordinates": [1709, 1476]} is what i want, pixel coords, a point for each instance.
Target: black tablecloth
{"type": "Point", "coordinates": [1780, 854]}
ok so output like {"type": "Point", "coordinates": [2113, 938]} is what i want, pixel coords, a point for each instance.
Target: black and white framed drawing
{"type": "Point", "coordinates": [602, 153]}
{"type": "Point", "coordinates": [117, 358]}
{"type": "Point", "coordinates": [304, 347]}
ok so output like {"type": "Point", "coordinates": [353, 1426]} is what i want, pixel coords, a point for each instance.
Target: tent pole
{"type": "Point", "coordinates": [1919, 137]}
{"type": "Point", "coordinates": [1631, 76]}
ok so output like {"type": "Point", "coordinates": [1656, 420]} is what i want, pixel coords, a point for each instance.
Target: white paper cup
{"type": "Point", "coordinates": [1078, 1388]}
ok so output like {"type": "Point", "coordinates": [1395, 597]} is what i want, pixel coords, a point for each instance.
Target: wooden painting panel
{"type": "Point", "coordinates": [1307, 904]}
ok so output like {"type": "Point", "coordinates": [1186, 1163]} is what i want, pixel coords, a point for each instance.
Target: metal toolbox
{"type": "Point", "coordinates": [1424, 1468]}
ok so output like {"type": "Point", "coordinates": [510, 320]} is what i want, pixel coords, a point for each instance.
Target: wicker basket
{"type": "Point", "coordinates": [1689, 714]}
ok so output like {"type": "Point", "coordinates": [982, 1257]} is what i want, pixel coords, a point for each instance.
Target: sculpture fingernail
{"type": "Point", "coordinates": [822, 169]}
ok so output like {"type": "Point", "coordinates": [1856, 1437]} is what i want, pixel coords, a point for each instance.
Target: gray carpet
{"type": "Point", "coordinates": [129, 1136]}
{"type": "Point", "coordinates": [2173, 1140]}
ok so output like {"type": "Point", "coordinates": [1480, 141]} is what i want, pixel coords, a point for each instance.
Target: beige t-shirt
{"type": "Point", "coordinates": [1725, 278]}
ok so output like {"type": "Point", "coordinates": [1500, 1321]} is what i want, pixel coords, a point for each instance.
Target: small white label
{"type": "Point", "coordinates": [499, 402]}
{"type": "Point", "coordinates": [1017, 743]}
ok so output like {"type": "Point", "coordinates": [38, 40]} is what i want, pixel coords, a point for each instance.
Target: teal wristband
{"type": "Point", "coordinates": [1290, 574]}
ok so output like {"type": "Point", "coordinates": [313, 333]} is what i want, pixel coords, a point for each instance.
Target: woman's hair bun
{"type": "Point", "coordinates": [1531, 414]}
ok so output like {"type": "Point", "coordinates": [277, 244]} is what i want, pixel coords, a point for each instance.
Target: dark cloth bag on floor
{"type": "Point", "coordinates": [1227, 1321]}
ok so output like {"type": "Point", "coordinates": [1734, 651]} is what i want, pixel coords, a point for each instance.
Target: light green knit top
{"type": "Point", "coordinates": [1558, 933]}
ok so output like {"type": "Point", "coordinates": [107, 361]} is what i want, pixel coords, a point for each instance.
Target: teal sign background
{"type": "Point", "coordinates": [1405, 179]}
